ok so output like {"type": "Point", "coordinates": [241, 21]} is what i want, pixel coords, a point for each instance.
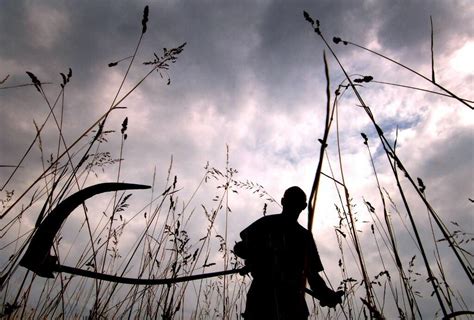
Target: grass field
{"type": "Point", "coordinates": [152, 234]}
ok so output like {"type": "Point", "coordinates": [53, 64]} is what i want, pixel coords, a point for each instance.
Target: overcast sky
{"type": "Point", "coordinates": [251, 76]}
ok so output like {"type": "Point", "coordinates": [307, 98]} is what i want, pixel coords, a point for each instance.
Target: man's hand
{"type": "Point", "coordinates": [244, 270]}
{"type": "Point", "coordinates": [240, 250]}
{"type": "Point", "coordinates": [331, 299]}
{"type": "Point", "coordinates": [327, 297]}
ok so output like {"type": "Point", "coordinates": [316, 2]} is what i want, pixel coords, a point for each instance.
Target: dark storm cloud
{"type": "Point", "coordinates": [288, 41]}
{"type": "Point", "coordinates": [452, 150]}
{"type": "Point", "coordinates": [235, 49]}
{"type": "Point", "coordinates": [405, 26]}
{"type": "Point", "coordinates": [90, 32]}
{"type": "Point", "coordinates": [269, 40]}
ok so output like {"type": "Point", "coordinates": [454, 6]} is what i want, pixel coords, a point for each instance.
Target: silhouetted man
{"type": "Point", "coordinates": [281, 255]}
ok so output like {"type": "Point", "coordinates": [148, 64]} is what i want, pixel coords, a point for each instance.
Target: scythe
{"type": "Point", "coordinates": [38, 259]}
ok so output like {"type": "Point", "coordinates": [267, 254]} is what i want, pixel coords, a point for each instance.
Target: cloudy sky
{"type": "Point", "coordinates": [251, 77]}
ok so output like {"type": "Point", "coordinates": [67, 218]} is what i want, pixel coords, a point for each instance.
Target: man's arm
{"type": "Point", "coordinates": [325, 295]}
{"type": "Point", "coordinates": [318, 285]}
{"type": "Point", "coordinates": [245, 249]}
{"type": "Point", "coordinates": [241, 250]}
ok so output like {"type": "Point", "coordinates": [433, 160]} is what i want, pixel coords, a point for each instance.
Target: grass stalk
{"type": "Point", "coordinates": [391, 154]}
{"type": "Point", "coordinates": [464, 102]}
{"type": "Point", "coordinates": [314, 190]}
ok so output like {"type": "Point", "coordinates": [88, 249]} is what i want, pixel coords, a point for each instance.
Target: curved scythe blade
{"type": "Point", "coordinates": [37, 257]}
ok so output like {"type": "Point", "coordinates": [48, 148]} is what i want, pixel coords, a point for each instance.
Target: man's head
{"type": "Point", "coordinates": [293, 201]}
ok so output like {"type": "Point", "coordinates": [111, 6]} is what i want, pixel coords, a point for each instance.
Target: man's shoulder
{"type": "Point", "coordinates": [303, 229]}
{"type": "Point", "coordinates": [268, 219]}
{"type": "Point", "coordinates": [281, 219]}
{"type": "Point", "coordinates": [304, 232]}
{"type": "Point", "coordinates": [260, 225]}
{"type": "Point", "coordinates": [271, 222]}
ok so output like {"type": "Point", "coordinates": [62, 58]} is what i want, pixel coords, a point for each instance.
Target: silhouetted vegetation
{"type": "Point", "coordinates": [164, 245]}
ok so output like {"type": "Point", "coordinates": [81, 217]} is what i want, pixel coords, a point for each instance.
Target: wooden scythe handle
{"type": "Point", "coordinates": [135, 281]}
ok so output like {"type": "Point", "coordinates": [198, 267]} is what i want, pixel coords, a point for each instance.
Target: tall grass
{"type": "Point", "coordinates": [166, 246]}
{"type": "Point", "coordinates": [374, 307]}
